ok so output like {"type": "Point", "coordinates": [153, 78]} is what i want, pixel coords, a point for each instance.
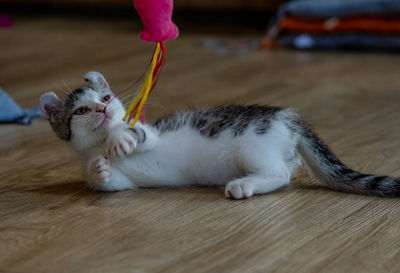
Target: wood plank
{"type": "Point", "coordinates": [50, 222]}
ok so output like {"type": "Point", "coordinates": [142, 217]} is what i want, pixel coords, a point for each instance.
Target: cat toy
{"type": "Point", "coordinates": [157, 27]}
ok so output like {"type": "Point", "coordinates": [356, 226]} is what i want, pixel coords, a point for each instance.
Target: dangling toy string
{"type": "Point", "coordinates": [158, 27]}
{"type": "Point", "coordinates": [157, 62]}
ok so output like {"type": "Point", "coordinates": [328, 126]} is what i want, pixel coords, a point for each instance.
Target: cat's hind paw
{"type": "Point", "coordinates": [99, 172]}
{"type": "Point", "coordinates": [239, 189]}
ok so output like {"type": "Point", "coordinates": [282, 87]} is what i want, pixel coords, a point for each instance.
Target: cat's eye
{"type": "Point", "coordinates": [81, 111]}
{"type": "Point", "coordinates": [106, 98]}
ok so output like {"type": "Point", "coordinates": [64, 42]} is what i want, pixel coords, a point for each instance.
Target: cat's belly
{"type": "Point", "coordinates": [190, 160]}
{"type": "Point", "coordinates": [206, 161]}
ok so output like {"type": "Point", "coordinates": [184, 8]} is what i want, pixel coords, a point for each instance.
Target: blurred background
{"type": "Point", "coordinates": [335, 61]}
{"type": "Point", "coordinates": [48, 44]}
{"type": "Point", "coordinates": [233, 46]}
{"type": "Point", "coordinates": [193, 13]}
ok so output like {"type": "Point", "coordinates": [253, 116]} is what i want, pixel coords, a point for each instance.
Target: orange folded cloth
{"type": "Point", "coordinates": [372, 24]}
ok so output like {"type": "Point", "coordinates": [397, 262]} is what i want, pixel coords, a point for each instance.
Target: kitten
{"type": "Point", "coordinates": [248, 149]}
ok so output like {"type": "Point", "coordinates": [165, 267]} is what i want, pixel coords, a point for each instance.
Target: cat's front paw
{"type": "Point", "coordinates": [121, 144]}
{"type": "Point", "coordinates": [98, 172]}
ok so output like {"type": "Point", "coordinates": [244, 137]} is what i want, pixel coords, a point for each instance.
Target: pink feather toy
{"type": "Point", "coordinates": [157, 27]}
{"type": "Point", "coordinates": [156, 18]}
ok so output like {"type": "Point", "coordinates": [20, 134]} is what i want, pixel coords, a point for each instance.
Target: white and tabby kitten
{"type": "Point", "coordinates": [248, 149]}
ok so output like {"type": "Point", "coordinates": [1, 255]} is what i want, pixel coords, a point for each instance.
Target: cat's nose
{"type": "Point", "coordinates": [100, 108]}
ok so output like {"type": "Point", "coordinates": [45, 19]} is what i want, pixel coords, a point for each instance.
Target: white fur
{"type": "Point", "coordinates": [249, 164]}
{"type": "Point", "coordinates": [114, 160]}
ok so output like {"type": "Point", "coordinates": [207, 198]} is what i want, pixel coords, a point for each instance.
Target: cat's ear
{"type": "Point", "coordinates": [96, 80]}
{"type": "Point", "coordinates": [50, 104]}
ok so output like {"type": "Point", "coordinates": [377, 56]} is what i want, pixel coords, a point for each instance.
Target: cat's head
{"type": "Point", "coordinates": [84, 116]}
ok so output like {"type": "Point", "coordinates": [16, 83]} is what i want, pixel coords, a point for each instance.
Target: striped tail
{"type": "Point", "coordinates": [333, 173]}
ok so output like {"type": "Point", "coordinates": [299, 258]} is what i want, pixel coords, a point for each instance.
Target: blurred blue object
{"type": "Point", "coordinates": [332, 8]}
{"type": "Point", "coordinates": [11, 112]}
{"type": "Point", "coordinates": [341, 41]}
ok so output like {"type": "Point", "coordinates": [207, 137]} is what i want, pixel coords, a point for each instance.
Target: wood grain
{"type": "Point", "coordinates": [50, 222]}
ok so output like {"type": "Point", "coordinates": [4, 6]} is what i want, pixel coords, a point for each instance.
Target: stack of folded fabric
{"type": "Point", "coordinates": [336, 24]}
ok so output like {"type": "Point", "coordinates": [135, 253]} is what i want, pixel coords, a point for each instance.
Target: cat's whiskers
{"type": "Point", "coordinates": [59, 87]}
{"type": "Point", "coordinates": [113, 108]}
{"type": "Point", "coordinates": [65, 84]}
{"type": "Point", "coordinates": [66, 91]}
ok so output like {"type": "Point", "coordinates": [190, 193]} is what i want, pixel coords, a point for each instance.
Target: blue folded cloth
{"type": "Point", "coordinates": [12, 112]}
{"type": "Point", "coordinates": [331, 8]}
{"type": "Point", "coordinates": [343, 41]}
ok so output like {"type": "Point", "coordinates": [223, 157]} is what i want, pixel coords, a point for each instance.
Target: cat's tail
{"type": "Point", "coordinates": [329, 170]}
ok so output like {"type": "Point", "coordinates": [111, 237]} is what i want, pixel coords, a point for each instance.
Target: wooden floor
{"type": "Point", "coordinates": [50, 222]}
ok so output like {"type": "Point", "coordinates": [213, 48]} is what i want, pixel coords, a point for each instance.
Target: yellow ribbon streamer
{"type": "Point", "coordinates": [144, 90]}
